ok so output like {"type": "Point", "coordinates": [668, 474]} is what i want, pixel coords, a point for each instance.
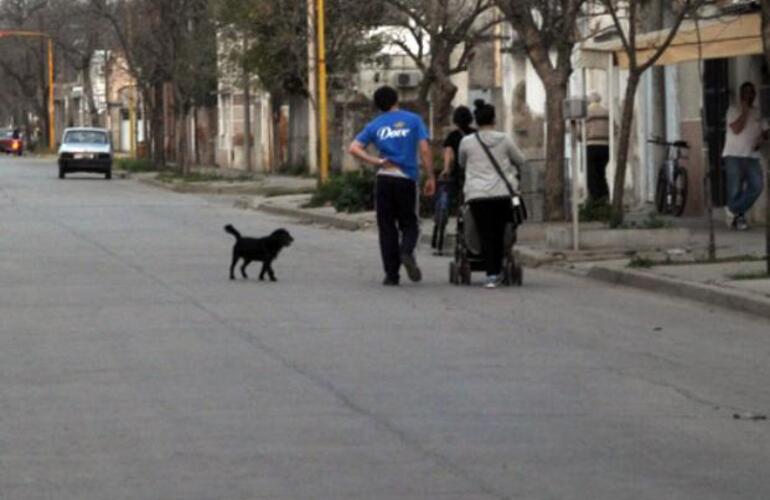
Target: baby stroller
{"type": "Point", "coordinates": [469, 258]}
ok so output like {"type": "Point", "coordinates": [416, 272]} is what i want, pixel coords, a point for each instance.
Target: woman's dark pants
{"type": "Point", "coordinates": [491, 216]}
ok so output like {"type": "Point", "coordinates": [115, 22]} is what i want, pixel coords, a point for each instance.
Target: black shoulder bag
{"type": "Point", "coordinates": [518, 207]}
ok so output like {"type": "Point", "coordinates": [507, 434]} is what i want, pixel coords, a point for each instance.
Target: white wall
{"type": "Point", "coordinates": [535, 90]}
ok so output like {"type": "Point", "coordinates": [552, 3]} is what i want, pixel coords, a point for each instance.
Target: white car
{"type": "Point", "coordinates": [85, 150]}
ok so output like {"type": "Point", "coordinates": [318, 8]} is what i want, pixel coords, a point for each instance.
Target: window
{"type": "Point", "coordinates": [85, 137]}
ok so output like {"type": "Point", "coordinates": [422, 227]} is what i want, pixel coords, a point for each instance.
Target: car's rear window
{"type": "Point", "coordinates": [85, 137]}
{"type": "Point", "coordinates": [6, 134]}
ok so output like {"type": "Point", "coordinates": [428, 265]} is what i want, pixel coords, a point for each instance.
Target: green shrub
{"type": "Point", "coordinates": [595, 211]}
{"type": "Point", "coordinates": [298, 170]}
{"type": "Point", "coordinates": [641, 262]}
{"type": "Point", "coordinates": [138, 165]}
{"type": "Point", "coordinates": [347, 192]}
{"type": "Point", "coordinates": [747, 276]}
{"type": "Point", "coordinates": [195, 176]}
{"type": "Point", "coordinates": [652, 221]}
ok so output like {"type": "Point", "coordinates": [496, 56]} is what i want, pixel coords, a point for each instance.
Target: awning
{"type": "Point", "coordinates": [728, 36]}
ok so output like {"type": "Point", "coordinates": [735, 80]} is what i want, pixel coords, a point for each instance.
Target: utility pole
{"type": "Point", "coordinates": [312, 81]}
{"type": "Point", "coordinates": [322, 96]}
{"type": "Point", "coordinates": [51, 111]}
{"type": "Point", "coordinates": [247, 120]}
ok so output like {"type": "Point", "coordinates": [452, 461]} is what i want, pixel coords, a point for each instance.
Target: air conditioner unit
{"type": "Point", "coordinates": [408, 79]}
{"type": "Point", "coordinates": [738, 7]}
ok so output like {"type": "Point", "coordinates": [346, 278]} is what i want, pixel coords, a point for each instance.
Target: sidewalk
{"type": "Point", "coordinates": [737, 280]}
{"type": "Point", "coordinates": [260, 185]}
{"type": "Point", "coordinates": [295, 206]}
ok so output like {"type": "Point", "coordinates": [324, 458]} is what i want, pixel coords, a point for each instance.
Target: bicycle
{"type": "Point", "coordinates": [671, 187]}
{"type": "Point", "coordinates": [440, 215]}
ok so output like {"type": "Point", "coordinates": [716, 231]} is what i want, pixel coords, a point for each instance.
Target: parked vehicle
{"type": "Point", "coordinates": [11, 142]}
{"type": "Point", "coordinates": [86, 150]}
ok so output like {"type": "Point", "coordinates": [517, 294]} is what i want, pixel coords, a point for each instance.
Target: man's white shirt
{"type": "Point", "coordinates": [744, 144]}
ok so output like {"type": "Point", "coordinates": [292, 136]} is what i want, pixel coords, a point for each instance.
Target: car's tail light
{"type": "Point", "coordinates": [15, 145]}
{"type": "Point", "coordinates": [104, 156]}
{"type": "Point", "coordinates": [67, 156]}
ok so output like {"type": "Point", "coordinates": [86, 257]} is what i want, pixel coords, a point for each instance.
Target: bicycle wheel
{"type": "Point", "coordinates": [680, 192]}
{"type": "Point", "coordinates": [661, 193]}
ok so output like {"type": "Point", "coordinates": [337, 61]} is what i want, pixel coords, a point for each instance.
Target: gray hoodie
{"type": "Point", "coordinates": [481, 178]}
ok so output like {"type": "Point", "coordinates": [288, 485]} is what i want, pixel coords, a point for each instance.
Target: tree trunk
{"type": "Point", "coordinates": [180, 118]}
{"type": "Point", "coordinates": [553, 209]}
{"type": "Point", "coordinates": [623, 144]}
{"type": "Point", "coordinates": [443, 94]}
{"type": "Point", "coordinates": [423, 94]}
{"type": "Point", "coordinates": [88, 93]}
{"type": "Point", "coordinates": [766, 45]}
{"type": "Point", "coordinates": [158, 128]}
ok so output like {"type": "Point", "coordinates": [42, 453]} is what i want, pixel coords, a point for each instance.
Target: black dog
{"type": "Point", "coordinates": [264, 250]}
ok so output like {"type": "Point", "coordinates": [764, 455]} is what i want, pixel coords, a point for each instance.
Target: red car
{"type": "Point", "coordinates": [11, 142]}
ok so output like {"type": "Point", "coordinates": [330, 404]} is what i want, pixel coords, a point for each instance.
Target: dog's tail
{"type": "Point", "coordinates": [230, 229]}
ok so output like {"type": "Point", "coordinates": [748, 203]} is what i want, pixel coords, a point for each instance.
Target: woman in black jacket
{"type": "Point", "coordinates": [452, 176]}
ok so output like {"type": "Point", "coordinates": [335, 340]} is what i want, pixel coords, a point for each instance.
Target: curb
{"type": "Point", "coordinates": [530, 257]}
{"type": "Point", "coordinates": [316, 218]}
{"type": "Point", "coordinates": [202, 188]}
{"type": "Point", "coordinates": [713, 295]}
{"type": "Point", "coordinates": [226, 189]}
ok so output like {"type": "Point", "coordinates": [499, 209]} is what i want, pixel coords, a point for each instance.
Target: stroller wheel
{"type": "Point", "coordinates": [465, 274]}
{"type": "Point", "coordinates": [507, 274]}
{"type": "Point", "coordinates": [513, 274]}
{"type": "Point", "coordinates": [454, 275]}
{"type": "Point", "coordinates": [517, 277]}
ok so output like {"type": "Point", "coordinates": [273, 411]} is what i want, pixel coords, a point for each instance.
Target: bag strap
{"type": "Point", "coordinates": [496, 165]}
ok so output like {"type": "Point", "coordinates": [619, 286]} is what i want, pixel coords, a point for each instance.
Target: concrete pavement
{"type": "Point", "coordinates": [132, 368]}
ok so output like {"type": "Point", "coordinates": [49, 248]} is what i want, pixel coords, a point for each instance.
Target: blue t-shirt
{"type": "Point", "coordinates": [397, 135]}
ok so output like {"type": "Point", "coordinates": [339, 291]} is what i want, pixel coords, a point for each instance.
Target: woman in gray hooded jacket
{"type": "Point", "coordinates": [485, 191]}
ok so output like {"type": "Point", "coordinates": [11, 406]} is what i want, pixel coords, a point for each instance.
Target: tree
{"type": "Point", "coordinates": [79, 43]}
{"type": "Point", "coordinates": [270, 38]}
{"type": "Point", "coordinates": [546, 28]}
{"type": "Point", "coordinates": [627, 27]}
{"type": "Point", "coordinates": [23, 60]}
{"type": "Point", "coordinates": [169, 44]}
{"type": "Point", "coordinates": [277, 35]}
{"type": "Point", "coordinates": [444, 37]}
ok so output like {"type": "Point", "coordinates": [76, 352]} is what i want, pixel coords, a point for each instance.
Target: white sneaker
{"type": "Point", "coordinates": [729, 218]}
{"type": "Point", "coordinates": [491, 282]}
{"type": "Point", "coordinates": [740, 224]}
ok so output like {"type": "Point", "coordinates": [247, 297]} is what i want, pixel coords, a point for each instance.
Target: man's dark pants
{"type": "Point", "coordinates": [744, 183]}
{"type": "Point", "coordinates": [597, 157]}
{"type": "Point", "coordinates": [396, 204]}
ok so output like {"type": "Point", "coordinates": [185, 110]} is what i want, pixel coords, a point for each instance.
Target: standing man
{"type": "Point", "coordinates": [399, 137]}
{"type": "Point", "coordinates": [597, 149]}
{"type": "Point", "coordinates": [745, 132]}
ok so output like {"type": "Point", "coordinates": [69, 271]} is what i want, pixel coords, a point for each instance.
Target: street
{"type": "Point", "coordinates": [131, 367]}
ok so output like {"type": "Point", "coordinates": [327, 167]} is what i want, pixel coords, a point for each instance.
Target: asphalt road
{"type": "Point", "coordinates": [132, 368]}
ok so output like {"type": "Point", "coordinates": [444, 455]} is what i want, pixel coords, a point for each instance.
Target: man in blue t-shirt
{"type": "Point", "coordinates": [399, 136]}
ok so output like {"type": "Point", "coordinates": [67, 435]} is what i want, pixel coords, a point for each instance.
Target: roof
{"type": "Point", "coordinates": [727, 36]}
